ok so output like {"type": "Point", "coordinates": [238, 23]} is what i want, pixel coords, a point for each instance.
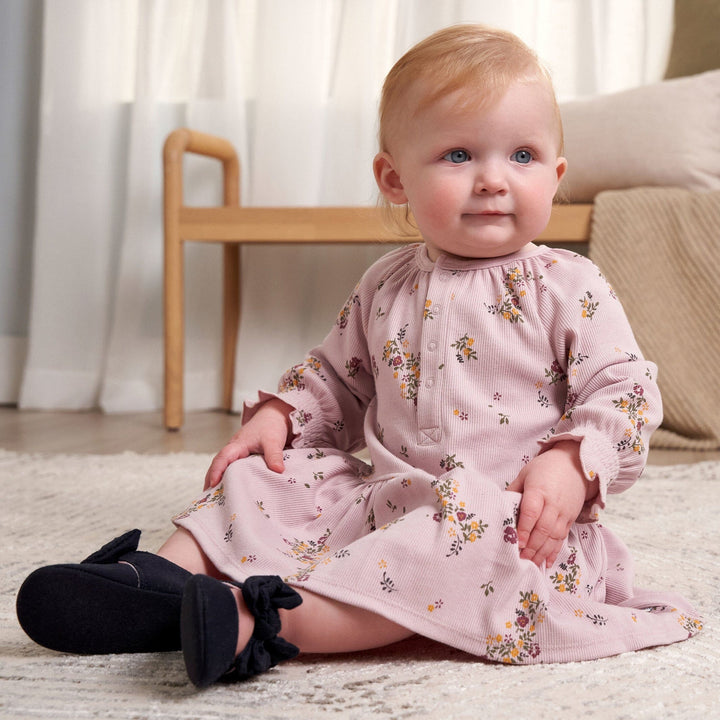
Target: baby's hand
{"type": "Point", "coordinates": [266, 433]}
{"type": "Point", "coordinates": [554, 490]}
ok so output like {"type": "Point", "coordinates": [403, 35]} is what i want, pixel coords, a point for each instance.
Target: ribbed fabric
{"type": "Point", "coordinates": [456, 375]}
{"type": "Point", "coordinates": [660, 250]}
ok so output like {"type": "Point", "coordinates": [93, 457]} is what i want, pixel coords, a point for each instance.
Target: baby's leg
{"type": "Point", "coordinates": [319, 625]}
{"type": "Point", "coordinates": [182, 549]}
{"type": "Point", "coordinates": [323, 625]}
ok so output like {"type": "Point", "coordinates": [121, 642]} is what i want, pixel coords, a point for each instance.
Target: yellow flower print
{"type": "Point", "coordinates": [294, 378]}
{"type": "Point", "coordinates": [519, 642]}
{"type": "Point", "coordinates": [569, 579]}
{"type": "Point", "coordinates": [691, 624]}
{"type": "Point", "coordinates": [428, 312]}
{"type": "Point", "coordinates": [464, 349]}
{"type": "Point", "coordinates": [508, 304]}
{"type": "Point", "coordinates": [634, 405]}
{"type": "Point", "coordinates": [455, 512]}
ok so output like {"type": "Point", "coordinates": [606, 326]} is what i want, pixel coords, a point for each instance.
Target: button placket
{"type": "Point", "coordinates": [433, 332]}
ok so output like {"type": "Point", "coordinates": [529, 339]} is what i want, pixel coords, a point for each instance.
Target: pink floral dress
{"type": "Point", "coordinates": [453, 375]}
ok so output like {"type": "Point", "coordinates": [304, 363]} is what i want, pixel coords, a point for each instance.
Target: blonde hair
{"type": "Point", "coordinates": [479, 60]}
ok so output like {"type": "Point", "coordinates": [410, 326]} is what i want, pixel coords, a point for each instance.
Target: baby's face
{"type": "Point", "coordinates": [479, 181]}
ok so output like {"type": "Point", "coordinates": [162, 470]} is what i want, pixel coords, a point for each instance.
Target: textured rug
{"type": "Point", "coordinates": [60, 508]}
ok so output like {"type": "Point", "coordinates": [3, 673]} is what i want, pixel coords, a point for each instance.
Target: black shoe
{"type": "Point", "coordinates": [103, 605]}
{"type": "Point", "coordinates": [209, 628]}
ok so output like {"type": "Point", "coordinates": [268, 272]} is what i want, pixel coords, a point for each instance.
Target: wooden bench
{"type": "Point", "coordinates": [233, 225]}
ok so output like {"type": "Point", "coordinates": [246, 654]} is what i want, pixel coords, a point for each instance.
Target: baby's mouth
{"type": "Point", "coordinates": [487, 214]}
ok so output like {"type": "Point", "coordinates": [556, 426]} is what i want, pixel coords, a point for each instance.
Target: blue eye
{"type": "Point", "coordinates": [457, 156]}
{"type": "Point", "coordinates": [522, 156]}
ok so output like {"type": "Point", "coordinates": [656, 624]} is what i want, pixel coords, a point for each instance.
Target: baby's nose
{"type": "Point", "coordinates": [490, 179]}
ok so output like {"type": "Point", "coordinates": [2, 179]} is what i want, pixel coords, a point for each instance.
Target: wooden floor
{"type": "Point", "coordinates": [97, 433]}
{"type": "Point", "coordinates": [30, 431]}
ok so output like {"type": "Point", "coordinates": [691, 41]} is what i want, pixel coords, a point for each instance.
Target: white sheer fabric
{"type": "Point", "coordinates": [294, 85]}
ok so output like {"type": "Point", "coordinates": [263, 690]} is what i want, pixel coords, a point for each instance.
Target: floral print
{"type": "Point", "coordinates": [567, 577]}
{"type": "Point", "coordinates": [555, 373]}
{"type": "Point", "coordinates": [635, 406]}
{"type": "Point", "coordinates": [343, 317]}
{"type": "Point", "coordinates": [508, 305]}
{"type": "Point", "coordinates": [464, 527]}
{"type": "Point", "coordinates": [517, 642]}
{"type": "Point", "coordinates": [353, 366]}
{"type": "Point", "coordinates": [464, 349]}
{"type": "Point", "coordinates": [693, 625]}
{"type": "Point", "coordinates": [214, 497]}
{"type": "Point", "coordinates": [404, 364]}
{"type": "Point", "coordinates": [294, 379]}
{"type": "Point", "coordinates": [589, 306]}
{"type": "Point", "coordinates": [308, 553]}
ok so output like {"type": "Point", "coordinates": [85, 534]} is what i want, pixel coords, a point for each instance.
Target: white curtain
{"type": "Point", "coordinates": [294, 85]}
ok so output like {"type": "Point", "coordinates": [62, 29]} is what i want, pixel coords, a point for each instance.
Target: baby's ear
{"type": "Point", "coordinates": [561, 168]}
{"type": "Point", "coordinates": [388, 180]}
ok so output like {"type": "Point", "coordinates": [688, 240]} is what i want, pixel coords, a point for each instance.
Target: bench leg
{"type": "Point", "coordinates": [174, 312]}
{"type": "Point", "coordinates": [231, 318]}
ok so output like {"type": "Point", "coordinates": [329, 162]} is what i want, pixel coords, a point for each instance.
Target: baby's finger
{"type": "Point", "coordinates": [559, 539]}
{"type": "Point", "coordinates": [537, 545]}
{"type": "Point", "coordinates": [273, 452]}
{"type": "Point", "coordinates": [531, 508]}
{"type": "Point", "coordinates": [547, 552]}
{"type": "Point", "coordinates": [220, 463]}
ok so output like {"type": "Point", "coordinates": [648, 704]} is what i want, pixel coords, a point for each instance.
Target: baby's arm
{"type": "Point", "coordinates": [266, 433]}
{"type": "Point", "coordinates": [326, 395]}
{"type": "Point", "coordinates": [554, 490]}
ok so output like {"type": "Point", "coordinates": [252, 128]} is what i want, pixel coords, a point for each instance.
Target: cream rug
{"type": "Point", "coordinates": [60, 508]}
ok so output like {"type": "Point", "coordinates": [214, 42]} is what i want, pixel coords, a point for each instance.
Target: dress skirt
{"type": "Point", "coordinates": [435, 554]}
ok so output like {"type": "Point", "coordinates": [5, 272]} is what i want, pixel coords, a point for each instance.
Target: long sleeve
{"type": "Point", "coordinates": [613, 403]}
{"type": "Point", "coordinates": [330, 390]}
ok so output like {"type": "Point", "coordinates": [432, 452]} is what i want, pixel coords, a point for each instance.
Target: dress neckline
{"type": "Point", "coordinates": [450, 262]}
